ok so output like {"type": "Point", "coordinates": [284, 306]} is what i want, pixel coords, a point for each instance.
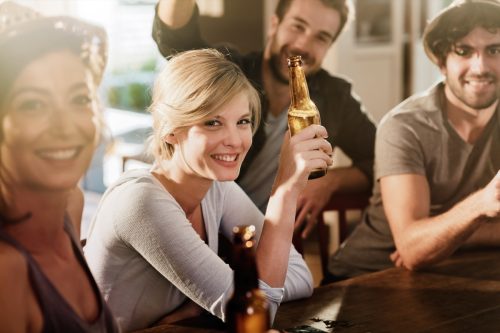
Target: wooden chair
{"type": "Point", "coordinates": [141, 158]}
{"type": "Point", "coordinates": [340, 202]}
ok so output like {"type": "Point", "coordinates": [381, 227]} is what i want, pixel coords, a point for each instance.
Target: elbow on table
{"type": "Point", "coordinates": [413, 267]}
{"type": "Point", "coordinates": [412, 261]}
{"type": "Point", "coordinates": [300, 288]}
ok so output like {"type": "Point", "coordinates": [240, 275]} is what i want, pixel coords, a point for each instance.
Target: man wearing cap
{"type": "Point", "coordinates": [437, 155]}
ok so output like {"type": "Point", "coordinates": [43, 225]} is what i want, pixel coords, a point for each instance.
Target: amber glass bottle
{"type": "Point", "coordinates": [302, 111]}
{"type": "Point", "coordinates": [247, 311]}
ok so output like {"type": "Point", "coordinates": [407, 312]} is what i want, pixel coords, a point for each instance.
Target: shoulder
{"type": "Point", "coordinates": [325, 82]}
{"type": "Point", "coordinates": [135, 192]}
{"type": "Point", "coordinates": [12, 261]}
{"type": "Point", "coordinates": [420, 110]}
{"type": "Point", "coordinates": [250, 63]}
{"type": "Point", "coordinates": [14, 279]}
{"type": "Point", "coordinates": [134, 185]}
{"type": "Point", "coordinates": [331, 92]}
{"type": "Point", "coordinates": [135, 200]}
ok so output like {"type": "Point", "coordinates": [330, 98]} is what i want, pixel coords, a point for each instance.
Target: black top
{"type": "Point", "coordinates": [347, 124]}
{"type": "Point", "coordinates": [58, 316]}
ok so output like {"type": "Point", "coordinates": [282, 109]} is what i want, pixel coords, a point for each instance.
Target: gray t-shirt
{"type": "Point", "coordinates": [258, 181]}
{"type": "Point", "coordinates": [147, 259]}
{"type": "Point", "coordinates": [416, 138]}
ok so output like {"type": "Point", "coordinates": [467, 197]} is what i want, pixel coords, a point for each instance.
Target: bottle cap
{"type": "Point", "coordinates": [294, 61]}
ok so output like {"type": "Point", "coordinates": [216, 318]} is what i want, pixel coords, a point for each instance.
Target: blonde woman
{"type": "Point", "coordinates": [49, 127]}
{"type": "Point", "coordinates": [153, 244]}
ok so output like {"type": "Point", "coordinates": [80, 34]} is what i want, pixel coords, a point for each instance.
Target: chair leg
{"type": "Point", "coordinates": [342, 226]}
{"type": "Point", "coordinates": [324, 243]}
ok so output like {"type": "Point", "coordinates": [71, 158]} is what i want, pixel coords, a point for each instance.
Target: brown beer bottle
{"type": "Point", "coordinates": [302, 111]}
{"type": "Point", "coordinates": [247, 311]}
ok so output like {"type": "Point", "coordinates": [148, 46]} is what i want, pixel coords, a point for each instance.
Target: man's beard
{"type": "Point", "coordinates": [274, 64]}
{"type": "Point", "coordinates": [475, 103]}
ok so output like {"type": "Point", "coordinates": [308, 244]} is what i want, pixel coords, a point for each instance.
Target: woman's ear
{"type": "Point", "coordinates": [170, 138]}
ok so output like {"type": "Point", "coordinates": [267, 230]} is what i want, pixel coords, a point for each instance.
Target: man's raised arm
{"type": "Point", "coordinates": [175, 13]}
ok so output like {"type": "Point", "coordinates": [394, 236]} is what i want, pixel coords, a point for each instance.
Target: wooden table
{"type": "Point", "coordinates": [462, 294]}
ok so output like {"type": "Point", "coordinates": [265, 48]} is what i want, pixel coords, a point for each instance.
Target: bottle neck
{"type": "Point", "coordinates": [245, 270]}
{"type": "Point", "coordinates": [298, 87]}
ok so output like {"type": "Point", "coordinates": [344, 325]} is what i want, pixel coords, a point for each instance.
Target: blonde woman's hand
{"type": "Point", "coordinates": [301, 154]}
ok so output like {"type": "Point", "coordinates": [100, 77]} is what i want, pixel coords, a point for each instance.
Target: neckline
{"type": "Point", "coordinates": [485, 132]}
{"type": "Point", "coordinates": [79, 256]}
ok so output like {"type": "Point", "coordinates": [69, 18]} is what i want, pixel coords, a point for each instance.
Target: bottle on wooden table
{"type": "Point", "coordinates": [247, 311]}
{"type": "Point", "coordinates": [302, 111]}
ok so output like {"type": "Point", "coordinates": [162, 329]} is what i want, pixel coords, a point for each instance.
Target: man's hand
{"type": "Point", "coordinates": [396, 259]}
{"type": "Point", "coordinates": [313, 198]}
{"type": "Point", "coordinates": [490, 197]}
{"type": "Point", "coordinates": [318, 192]}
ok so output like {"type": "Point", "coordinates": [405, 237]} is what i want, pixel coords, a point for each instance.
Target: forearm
{"type": "Point", "coordinates": [176, 27]}
{"type": "Point", "coordinates": [429, 240]}
{"type": "Point", "coordinates": [299, 155]}
{"type": "Point", "coordinates": [488, 234]}
{"type": "Point", "coordinates": [175, 13]}
{"type": "Point", "coordinates": [276, 238]}
{"type": "Point", "coordinates": [347, 179]}
{"type": "Point", "coordinates": [299, 280]}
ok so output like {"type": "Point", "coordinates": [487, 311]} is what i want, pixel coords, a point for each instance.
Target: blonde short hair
{"type": "Point", "coordinates": [193, 86]}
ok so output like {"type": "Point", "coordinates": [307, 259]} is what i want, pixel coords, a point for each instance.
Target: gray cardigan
{"type": "Point", "coordinates": [147, 259]}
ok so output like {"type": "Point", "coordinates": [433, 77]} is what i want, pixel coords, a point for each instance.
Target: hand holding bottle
{"type": "Point", "coordinates": [302, 111]}
{"type": "Point", "coordinates": [300, 155]}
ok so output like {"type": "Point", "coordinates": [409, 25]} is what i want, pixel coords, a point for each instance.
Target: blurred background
{"type": "Point", "coordinates": [380, 53]}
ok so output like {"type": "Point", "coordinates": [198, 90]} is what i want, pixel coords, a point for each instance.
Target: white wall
{"type": "Point", "coordinates": [128, 26]}
{"type": "Point", "coordinates": [375, 69]}
{"type": "Point", "coordinates": [425, 72]}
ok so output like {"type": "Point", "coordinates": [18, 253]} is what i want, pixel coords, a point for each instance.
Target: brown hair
{"type": "Point", "coordinates": [457, 23]}
{"type": "Point", "coordinates": [344, 7]}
